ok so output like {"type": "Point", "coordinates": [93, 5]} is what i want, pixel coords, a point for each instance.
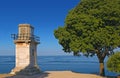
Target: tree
{"type": "Point", "coordinates": [113, 63]}
{"type": "Point", "coordinates": [93, 28]}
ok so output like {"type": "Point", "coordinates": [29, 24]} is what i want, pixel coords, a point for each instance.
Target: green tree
{"type": "Point", "coordinates": [113, 63]}
{"type": "Point", "coordinates": [93, 28]}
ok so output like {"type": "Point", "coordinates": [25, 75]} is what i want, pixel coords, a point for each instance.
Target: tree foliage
{"type": "Point", "coordinates": [113, 63]}
{"type": "Point", "coordinates": [92, 27]}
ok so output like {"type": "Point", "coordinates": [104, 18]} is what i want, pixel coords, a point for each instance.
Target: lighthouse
{"type": "Point", "coordinates": [25, 51]}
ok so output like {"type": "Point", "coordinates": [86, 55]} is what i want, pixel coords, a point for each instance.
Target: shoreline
{"type": "Point", "coordinates": [53, 74]}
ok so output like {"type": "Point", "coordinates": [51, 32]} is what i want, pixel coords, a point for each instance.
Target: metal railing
{"type": "Point", "coordinates": [25, 37]}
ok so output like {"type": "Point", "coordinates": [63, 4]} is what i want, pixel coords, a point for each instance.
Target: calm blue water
{"type": "Point", "coordinates": [80, 64]}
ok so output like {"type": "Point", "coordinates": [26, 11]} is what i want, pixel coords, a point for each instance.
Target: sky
{"type": "Point", "coordinates": [44, 15]}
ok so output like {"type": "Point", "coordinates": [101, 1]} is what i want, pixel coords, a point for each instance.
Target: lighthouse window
{"type": "Point", "coordinates": [33, 52]}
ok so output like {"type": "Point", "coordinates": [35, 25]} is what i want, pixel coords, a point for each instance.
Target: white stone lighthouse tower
{"type": "Point", "coordinates": [26, 51]}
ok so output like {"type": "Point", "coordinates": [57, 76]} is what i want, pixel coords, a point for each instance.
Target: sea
{"type": "Point", "coordinates": [78, 64]}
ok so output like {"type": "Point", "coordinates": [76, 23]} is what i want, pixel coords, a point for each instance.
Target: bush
{"type": "Point", "coordinates": [113, 63]}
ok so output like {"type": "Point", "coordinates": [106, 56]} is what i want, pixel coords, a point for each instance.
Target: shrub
{"type": "Point", "coordinates": [113, 63]}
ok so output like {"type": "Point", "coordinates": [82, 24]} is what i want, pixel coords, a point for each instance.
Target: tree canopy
{"type": "Point", "coordinates": [92, 27]}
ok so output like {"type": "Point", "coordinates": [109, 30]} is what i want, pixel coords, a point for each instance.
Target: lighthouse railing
{"type": "Point", "coordinates": [25, 37]}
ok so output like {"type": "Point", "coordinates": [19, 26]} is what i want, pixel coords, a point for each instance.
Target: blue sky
{"type": "Point", "coordinates": [44, 15]}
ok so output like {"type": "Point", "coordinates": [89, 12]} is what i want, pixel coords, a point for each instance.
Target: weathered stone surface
{"type": "Point", "coordinates": [26, 71]}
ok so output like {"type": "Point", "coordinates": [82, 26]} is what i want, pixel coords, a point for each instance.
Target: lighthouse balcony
{"type": "Point", "coordinates": [25, 37]}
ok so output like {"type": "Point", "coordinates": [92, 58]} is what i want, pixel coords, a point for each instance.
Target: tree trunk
{"type": "Point", "coordinates": [118, 76]}
{"type": "Point", "coordinates": [101, 56]}
{"type": "Point", "coordinates": [102, 71]}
